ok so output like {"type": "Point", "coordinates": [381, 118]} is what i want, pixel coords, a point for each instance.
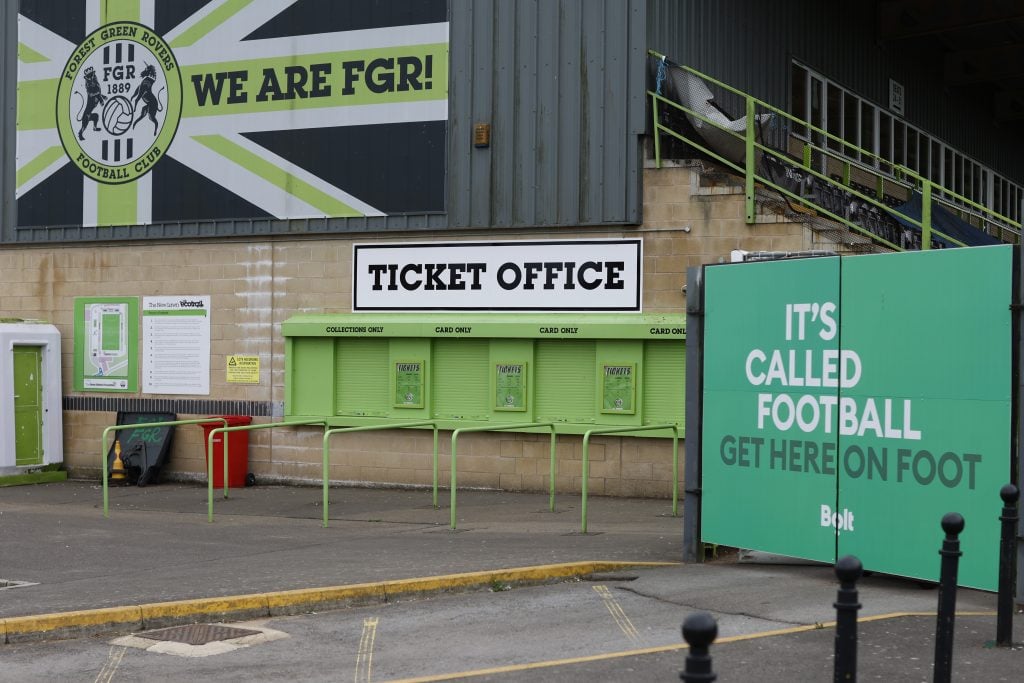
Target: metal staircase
{"type": "Point", "coordinates": [846, 195]}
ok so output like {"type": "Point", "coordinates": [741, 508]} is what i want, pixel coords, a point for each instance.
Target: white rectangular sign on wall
{"type": "Point", "coordinates": [176, 345]}
{"type": "Point", "coordinates": [548, 275]}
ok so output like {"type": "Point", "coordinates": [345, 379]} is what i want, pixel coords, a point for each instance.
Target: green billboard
{"type": "Point", "coordinates": [850, 402]}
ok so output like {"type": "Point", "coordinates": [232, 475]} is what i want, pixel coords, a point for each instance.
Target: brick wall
{"type": "Point", "coordinates": [256, 285]}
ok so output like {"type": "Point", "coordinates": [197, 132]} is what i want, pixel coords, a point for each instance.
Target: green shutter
{"type": "Point", "coordinates": [362, 381]}
{"type": "Point", "coordinates": [664, 382]}
{"type": "Point", "coordinates": [565, 380]}
{"type": "Point", "coordinates": [461, 378]}
{"type": "Point", "coordinates": [313, 386]}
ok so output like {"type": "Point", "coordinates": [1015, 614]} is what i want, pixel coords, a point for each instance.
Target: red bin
{"type": "Point", "coordinates": [238, 451]}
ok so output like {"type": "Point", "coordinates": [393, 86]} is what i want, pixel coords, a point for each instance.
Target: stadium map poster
{"type": "Point", "coordinates": [106, 344]}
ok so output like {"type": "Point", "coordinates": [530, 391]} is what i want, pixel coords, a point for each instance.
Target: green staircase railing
{"type": "Point", "coordinates": [822, 149]}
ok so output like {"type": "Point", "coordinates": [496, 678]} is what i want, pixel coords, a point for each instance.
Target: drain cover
{"type": "Point", "coordinates": [198, 634]}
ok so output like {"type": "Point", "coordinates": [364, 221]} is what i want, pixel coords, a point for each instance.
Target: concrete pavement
{"type": "Point", "coordinates": [156, 561]}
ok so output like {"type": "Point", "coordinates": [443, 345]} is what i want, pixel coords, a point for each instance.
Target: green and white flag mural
{"type": "Point", "coordinates": [149, 111]}
{"type": "Point", "coordinates": [849, 403]}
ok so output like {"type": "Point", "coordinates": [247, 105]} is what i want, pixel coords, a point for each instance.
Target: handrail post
{"type": "Point", "coordinates": [498, 428]}
{"type": "Point", "coordinates": [451, 504]}
{"type": "Point", "coordinates": [615, 430]}
{"type": "Point", "coordinates": [209, 476]}
{"type": "Point", "coordinates": [583, 488]}
{"type": "Point", "coordinates": [551, 466]}
{"type": "Point", "coordinates": [103, 469]}
{"type": "Point", "coordinates": [675, 471]}
{"type": "Point", "coordinates": [750, 159]}
{"type": "Point", "coordinates": [324, 467]}
{"type": "Point", "coordinates": [656, 131]}
{"type": "Point", "coordinates": [115, 428]}
{"type": "Point", "coordinates": [240, 428]}
{"type": "Point", "coordinates": [435, 466]}
{"type": "Point", "coordinates": [329, 432]}
{"type": "Point", "coordinates": [926, 214]}
{"type": "Point", "coordinates": [227, 451]}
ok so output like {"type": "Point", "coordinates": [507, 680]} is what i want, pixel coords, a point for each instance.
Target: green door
{"type": "Point", "coordinates": [28, 406]}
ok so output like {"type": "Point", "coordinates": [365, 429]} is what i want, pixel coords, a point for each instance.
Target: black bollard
{"type": "Point", "coordinates": [699, 630]}
{"type": "Point", "coordinates": [952, 524]}
{"type": "Point", "coordinates": [1007, 545]}
{"type": "Point", "coordinates": [848, 571]}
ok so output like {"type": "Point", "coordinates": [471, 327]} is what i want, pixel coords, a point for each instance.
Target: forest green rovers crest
{"type": "Point", "coordinates": [119, 102]}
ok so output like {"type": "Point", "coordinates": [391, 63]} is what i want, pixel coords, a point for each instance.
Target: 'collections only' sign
{"type": "Point", "coordinates": [556, 275]}
{"type": "Point", "coordinates": [850, 403]}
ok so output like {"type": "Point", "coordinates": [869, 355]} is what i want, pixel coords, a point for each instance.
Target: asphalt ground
{"type": "Point", "coordinates": [156, 561]}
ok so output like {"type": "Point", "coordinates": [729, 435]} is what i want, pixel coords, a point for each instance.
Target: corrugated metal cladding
{"type": "Point", "coordinates": [561, 82]}
{"type": "Point", "coordinates": [750, 44]}
{"type": "Point", "coordinates": [8, 76]}
{"type": "Point", "coordinates": [562, 86]}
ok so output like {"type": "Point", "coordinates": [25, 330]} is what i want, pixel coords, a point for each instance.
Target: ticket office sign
{"type": "Point", "coordinates": [543, 275]}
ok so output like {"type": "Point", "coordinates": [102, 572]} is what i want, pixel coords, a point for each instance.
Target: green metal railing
{"type": "Point", "coordinates": [615, 430]}
{"type": "Point", "coordinates": [166, 423]}
{"type": "Point", "coordinates": [901, 175]}
{"type": "Point", "coordinates": [367, 428]}
{"type": "Point", "coordinates": [496, 428]}
{"type": "Point", "coordinates": [226, 431]}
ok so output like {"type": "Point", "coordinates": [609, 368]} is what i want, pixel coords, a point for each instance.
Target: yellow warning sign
{"type": "Point", "coordinates": [243, 369]}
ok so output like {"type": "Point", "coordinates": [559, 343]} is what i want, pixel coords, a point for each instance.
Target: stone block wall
{"type": "Point", "coordinates": [255, 286]}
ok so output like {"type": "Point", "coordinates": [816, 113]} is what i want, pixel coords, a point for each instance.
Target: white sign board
{"type": "Point", "coordinates": [896, 97]}
{"type": "Point", "coordinates": [549, 275]}
{"type": "Point", "coordinates": [176, 345]}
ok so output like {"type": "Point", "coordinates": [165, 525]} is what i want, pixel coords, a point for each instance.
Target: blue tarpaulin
{"type": "Point", "coordinates": [943, 221]}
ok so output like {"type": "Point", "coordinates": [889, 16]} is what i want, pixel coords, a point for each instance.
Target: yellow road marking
{"type": "Point", "coordinates": [268, 604]}
{"type": "Point", "coordinates": [106, 674]}
{"type": "Point", "coordinates": [617, 614]}
{"type": "Point", "coordinates": [364, 658]}
{"type": "Point", "coordinates": [664, 648]}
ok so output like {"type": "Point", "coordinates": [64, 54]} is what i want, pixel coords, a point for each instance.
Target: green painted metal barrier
{"type": "Point", "coordinates": [614, 430]}
{"type": "Point", "coordinates": [499, 427]}
{"type": "Point", "coordinates": [875, 165]}
{"type": "Point", "coordinates": [170, 423]}
{"type": "Point", "coordinates": [367, 428]}
{"type": "Point", "coordinates": [226, 431]}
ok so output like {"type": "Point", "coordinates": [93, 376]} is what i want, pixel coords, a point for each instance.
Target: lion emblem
{"type": "Point", "coordinates": [93, 98]}
{"type": "Point", "coordinates": [144, 95]}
